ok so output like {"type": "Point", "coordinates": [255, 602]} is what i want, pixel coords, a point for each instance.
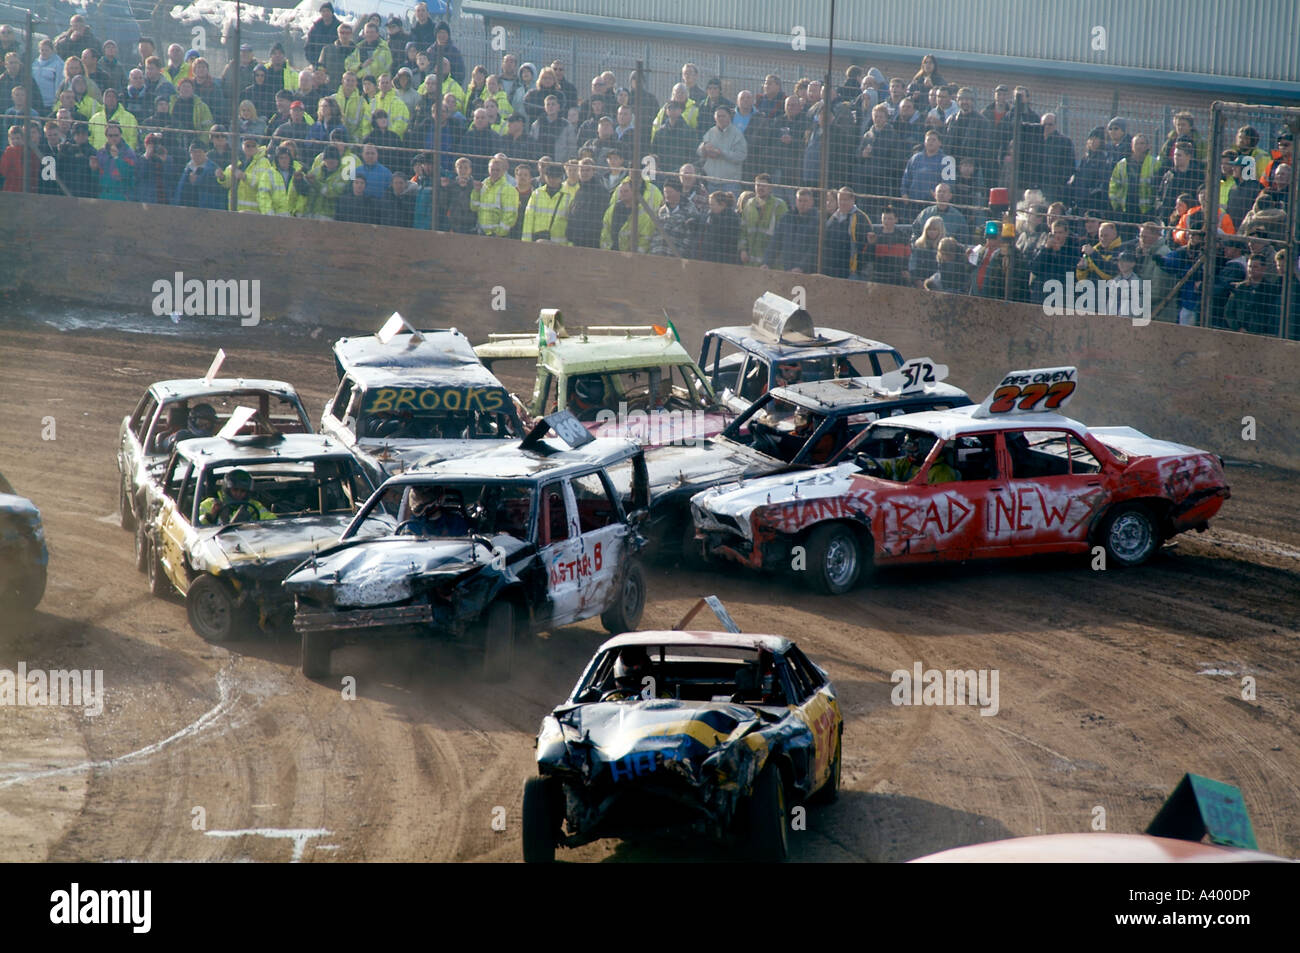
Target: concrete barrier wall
{"type": "Point", "coordinates": [1191, 385]}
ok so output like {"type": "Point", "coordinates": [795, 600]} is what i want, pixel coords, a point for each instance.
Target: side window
{"type": "Point", "coordinates": [185, 502]}
{"type": "Point", "coordinates": [754, 383]}
{"type": "Point", "coordinates": [144, 412]}
{"type": "Point", "coordinates": [545, 395]}
{"type": "Point", "coordinates": [973, 456]}
{"type": "Point", "coordinates": [555, 519]}
{"type": "Point", "coordinates": [1081, 458]}
{"type": "Point", "coordinates": [339, 408]}
{"type": "Point", "coordinates": [798, 682]}
{"type": "Point", "coordinates": [886, 361]}
{"type": "Point", "coordinates": [177, 473]}
{"type": "Point", "coordinates": [596, 507]}
{"type": "Point", "coordinates": [1039, 453]}
{"type": "Point", "coordinates": [722, 363]}
{"type": "Point", "coordinates": [808, 673]}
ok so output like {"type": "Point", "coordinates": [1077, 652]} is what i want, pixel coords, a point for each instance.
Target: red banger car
{"type": "Point", "coordinates": [1011, 477]}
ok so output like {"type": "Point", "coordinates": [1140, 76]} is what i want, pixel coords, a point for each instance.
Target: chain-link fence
{"type": "Point", "coordinates": [971, 183]}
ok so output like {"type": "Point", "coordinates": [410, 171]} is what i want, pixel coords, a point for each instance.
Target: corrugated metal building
{"type": "Point", "coordinates": [1207, 46]}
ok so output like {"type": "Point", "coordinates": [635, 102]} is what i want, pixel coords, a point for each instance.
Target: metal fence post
{"type": "Point", "coordinates": [1210, 212]}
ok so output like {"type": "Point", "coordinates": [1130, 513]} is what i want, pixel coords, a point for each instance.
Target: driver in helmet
{"type": "Point", "coordinates": [904, 468]}
{"type": "Point", "coordinates": [587, 396]}
{"type": "Point", "coordinates": [435, 512]}
{"type": "Point", "coordinates": [202, 423]}
{"type": "Point", "coordinates": [788, 372]}
{"type": "Point", "coordinates": [631, 669]}
{"type": "Point", "coordinates": [234, 502]}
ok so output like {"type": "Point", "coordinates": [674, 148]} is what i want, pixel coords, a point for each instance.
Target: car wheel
{"type": "Point", "coordinates": [625, 614]}
{"type": "Point", "coordinates": [141, 549]}
{"type": "Point", "coordinates": [541, 823]}
{"type": "Point", "coordinates": [498, 641]}
{"type": "Point", "coordinates": [159, 584]}
{"type": "Point", "coordinates": [834, 559]}
{"type": "Point", "coordinates": [829, 792]}
{"type": "Point", "coordinates": [212, 611]}
{"type": "Point", "coordinates": [767, 831]}
{"type": "Point", "coordinates": [1130, 535]}
{"type": "Point", "coordinates": [24, 593]}
{"type": "Point", "coordinates": [316, 650]}
{"type": "Point", "coordinates": [125, 515]}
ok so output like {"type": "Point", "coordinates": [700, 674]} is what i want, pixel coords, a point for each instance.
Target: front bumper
{"type": "Point", "coordinates": [340, 620]}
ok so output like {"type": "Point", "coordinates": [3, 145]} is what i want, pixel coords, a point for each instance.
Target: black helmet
{"type": "Point", "coordinates": [238, 480]}
{"type": "Point", "coordinates": [203, 417]}
{"type": "Point", "coordinates": [630, 667]}
{"type": "Point", "coordinates": [589, 389]}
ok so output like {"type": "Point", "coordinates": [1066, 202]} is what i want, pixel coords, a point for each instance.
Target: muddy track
{"type": "Point", "coordinates": [1112, 684]}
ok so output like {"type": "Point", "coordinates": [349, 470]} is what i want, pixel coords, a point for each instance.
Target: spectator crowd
{"type": "Point", "coordinates": [385, 124]}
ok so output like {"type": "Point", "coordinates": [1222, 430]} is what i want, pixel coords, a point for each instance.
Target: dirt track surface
{"type": "Point", "coordinates": [1104, 697]}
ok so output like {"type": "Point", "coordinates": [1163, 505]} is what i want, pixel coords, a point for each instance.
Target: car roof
{"type": "Point", "coordinates": [509, 461]}
{"type": "Point", "coordinates": [947, 424]}
{"type": "Point", "coordinates": [290, 446]}
{"type": "Point", "coordinates": [776, 644]}
{"type": "Point", "coordinates": [190, 387]}
{"type": "Point", "coordinates": [439, 358]}
{"type": "Point", "coordinates": [605, 353]}
{"type": "Point", "coordinates": [742, 335]}
{"type": "Point", "coordinates": [841, 392]}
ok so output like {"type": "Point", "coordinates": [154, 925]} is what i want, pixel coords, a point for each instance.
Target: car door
{"type": "Point", "coordinates": [174, 515]}
{"type": "Point", "coordinates": [602, 537]}
{"type": "Point", "coordinates": [560, 549]}
{"type": "Point", "coordinates": [1053, 487]}
{"type": "Point", "coordinates": [130, 454]}
{"type": "Point", "coordinates": [339, 419]}
{"type": "Point", "coordinates": [816, 707]}
{"type": "Point", "coordinates": [942, 520]}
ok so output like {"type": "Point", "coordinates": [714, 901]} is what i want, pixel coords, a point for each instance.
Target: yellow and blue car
{"type": "Point", "coordinates": [712, 734]}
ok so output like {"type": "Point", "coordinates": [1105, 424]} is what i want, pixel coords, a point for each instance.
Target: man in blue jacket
{"type": "Point", "coordinates": [198, 187]}
{"type": "Point", "coordinates": [925, 170]}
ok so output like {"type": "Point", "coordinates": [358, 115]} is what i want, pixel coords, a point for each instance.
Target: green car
{"type": "Point", "coordinates": [631, 382]}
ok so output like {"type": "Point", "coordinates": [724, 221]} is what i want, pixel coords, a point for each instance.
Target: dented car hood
{"type": "Point", "coordinates": [378, 572]}
{"type": "Point", "coordinates": [737, 501]}
{"type": "Point", "coordinates": [400, 454]}
{"type": "Point", "coordinates": [1135, 443]}
{"type": "Point", "coordinates": [629, 736]}
{"type": "Point", "coordinates": [672, 469]}
{"type": "Point", "coordinates": [265, 547]}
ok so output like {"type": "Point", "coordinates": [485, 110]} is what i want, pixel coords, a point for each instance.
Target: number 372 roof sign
{"type": "Point", "coordinates": [1040, 390]}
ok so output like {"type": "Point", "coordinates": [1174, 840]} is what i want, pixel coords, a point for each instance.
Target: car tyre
{"type": "Point", "coordinates": [834, 559]}
{"type": "Point", "coordinates": [767, 830]}
{"type": "Point", "coordinates": [126, 514]}
{"type": "Point", "coordinates": [829, 792]}
{"type": "Point", "coordinates": [317, 647]}
{"type": "Point", "coordinates": [625, 614]}
{"type": "Point", "coordinates": [159, 584]}
{"type": "Point", "coordinates": [211, 608]}
{"type": "Point", "coordinates": [498, 641]}
{"type": "Point", "coordinates": [1130, 534]}
{"type": "Point", "coordinates": [541, 821]}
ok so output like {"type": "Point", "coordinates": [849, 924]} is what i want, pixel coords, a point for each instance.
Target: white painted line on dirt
{"type": "Point", "coordinates": [299, 836]}
{"type": "Point", "coordinates": [225, 701]}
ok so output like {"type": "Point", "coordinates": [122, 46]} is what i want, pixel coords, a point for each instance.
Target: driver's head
{"type": "Point", "coordinates": [238, 483]}
{"type": "Point", "coordinates": [801, 420]}
{"type": "Point", "coordinates": [914, 449]}
{"type": "Point", "coordinates": [589, 390]}
{"type": "Point", "coordinates": [203, 419]}
{"type": "Point", "coordinates": [427, 501]}
{"type": "Point", "coordinates": [632, 665]}
{"type": "Point", "coordinates": [790, 372]}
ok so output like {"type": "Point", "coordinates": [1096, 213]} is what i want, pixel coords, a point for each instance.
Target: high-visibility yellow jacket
{"type": "Point", "coordinates": [290, 80]}
{"type": "Point", "coordinates": [645, 231]}
{"type": "Point", "coordinates": [547, 213]}
{"type": "Point", "coordinates": [449, 85]}
{"type": "Point", "coordinates": [399, 117]}
{"type": "Point", "coordinates": [356, 115]}
{"type": "Point", "coordinates": [380, 59]}
{"type": "Point", "coordinates": [497, 207]}
{"type": "Point", "coordinates": [174, 76]}
{"type": "Point", "coordinates": [285, 198]}
{"type": "Point", "coordinates": [323, 196]}
{"type": "Point", "coordinates": [690, 114]}
{"type": "Point", "coordinates": [254, 191]}
{"type": "Point", "coordinates": [1120, 184]}
{"type": "Point", "coordinates": [99, 122]}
